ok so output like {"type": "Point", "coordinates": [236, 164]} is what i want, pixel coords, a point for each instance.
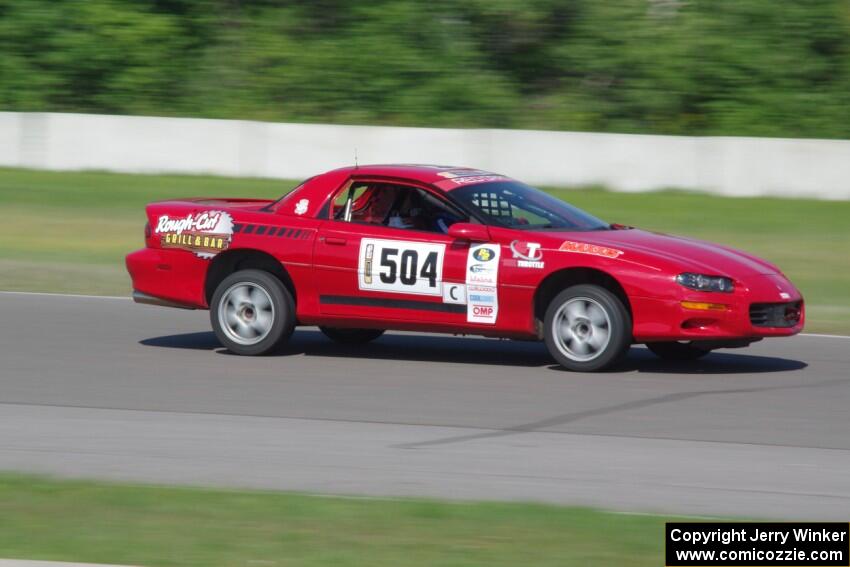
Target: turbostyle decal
{"type": "Point", "coordinates": [468, 180]}
{"type": "Point", "coordinates": [584, 248]}
{"type": "Point", "coordinates": [482, 278]}
{"type": "Point", "coordinates": [457, 177]}
{"type": "Point", "coordinates": [206, 234]}
{"type": "Point", "coordinates": [527, 254]}
{"type": "Point", "coordinates": [455, 173]}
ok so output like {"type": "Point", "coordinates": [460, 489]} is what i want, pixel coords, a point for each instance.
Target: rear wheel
{"type": "Point", "coordinates": [587, 328]}
{"type": "Point", "coordinates": [252, 313]}
{"type": "Point", "coordinates": [674, 350]}
{"type": "Point", "coordinates": [351, 336]}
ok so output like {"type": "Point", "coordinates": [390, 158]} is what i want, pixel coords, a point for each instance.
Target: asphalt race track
{"type": "Point", "coordinates": [104, 388]}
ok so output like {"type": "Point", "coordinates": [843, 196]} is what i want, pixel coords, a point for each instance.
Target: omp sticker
{"type": "Point", "coordinates": [527, 254]}
{"type": "Point", "coordinates": [478, 313]}
{"type": "Point", "coordinates": [482, 277]}
{"type": "Point", "coordinates": [454, 293]}
{"type": "Point", "coordinates": [584, 248]}
{"type": "Point", "coordinates": [206, 233]}
{"type": "Point", "coordinates": [400, 266]}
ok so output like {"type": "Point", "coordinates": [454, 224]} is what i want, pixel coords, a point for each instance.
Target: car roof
{"type": "Point", "coordinates": [424, 173]}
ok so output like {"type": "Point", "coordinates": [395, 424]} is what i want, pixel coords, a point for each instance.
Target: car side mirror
{"type": "Point", "coordinates": [469, 231]}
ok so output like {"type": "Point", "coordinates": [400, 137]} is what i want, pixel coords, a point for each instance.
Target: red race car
{"type": "Point", "coordinates": [363, 249]}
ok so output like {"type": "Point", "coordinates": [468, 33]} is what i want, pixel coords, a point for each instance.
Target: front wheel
{"type": "Point", "coordinates": [252, 313]}
{"type": "Point", "coordinates": [677, 351]}
{"type": "Point", "coordinates": [587, 328]}
{"type": "Point", "coordinates": [351, 336]}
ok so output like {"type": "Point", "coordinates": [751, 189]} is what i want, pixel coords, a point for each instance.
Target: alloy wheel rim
{"type": "Point", "coordinates": [246, 313]}
{"type": "Point", "coordinates": [582, 329]}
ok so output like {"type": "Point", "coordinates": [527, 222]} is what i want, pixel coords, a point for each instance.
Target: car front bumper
{"type": "Point", "coordinates": [765, 306]}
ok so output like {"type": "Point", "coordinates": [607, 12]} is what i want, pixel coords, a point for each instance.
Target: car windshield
{"type": "Point", "coordinates": [515, 205]}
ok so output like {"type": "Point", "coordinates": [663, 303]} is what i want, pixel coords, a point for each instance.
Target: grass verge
{"type": "Point", "coordinates": [68, 232]}
{"type": "Point", "coordinates": [47, 519]}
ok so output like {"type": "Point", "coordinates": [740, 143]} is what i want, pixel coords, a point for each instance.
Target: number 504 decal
{"type": "Point", "coordinates": [401, 267]}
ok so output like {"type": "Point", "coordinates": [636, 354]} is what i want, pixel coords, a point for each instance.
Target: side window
{"type": "Point", "coordinates": [353, 193]}
{"type": "Point", "coordinates": [425, 211]}
{"type": "Point", "coordinates": [396, 206]}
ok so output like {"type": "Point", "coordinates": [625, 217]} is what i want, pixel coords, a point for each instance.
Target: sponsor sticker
{"type": "Point", "coordinates": [527, 254]}
{"type": "Point", "coordinates": [483, 313]}
{"type": "Point", "coordinates": [484, 253]}
{"type": "Point", "coordinates": [301, 206]}
{"type": "Point", "coordinates": [482, 275]}
{"type": "Point", "coordinates": [593, 249]}
{"type": "Point", "coordinates": [206, 233]}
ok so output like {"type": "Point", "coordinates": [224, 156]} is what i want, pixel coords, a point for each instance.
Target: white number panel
{"type": "Point", "coordinates": [401, 267]}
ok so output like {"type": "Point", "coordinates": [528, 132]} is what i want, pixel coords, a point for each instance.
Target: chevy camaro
{"type": "Point", "coordinates": [360, 250]}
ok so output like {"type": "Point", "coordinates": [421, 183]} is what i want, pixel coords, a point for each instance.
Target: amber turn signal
{"type": "Point", "coordinates": [702, 306]}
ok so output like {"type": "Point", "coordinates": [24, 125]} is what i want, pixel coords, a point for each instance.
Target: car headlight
{"type": "Point", "coordinates": [701, 282]}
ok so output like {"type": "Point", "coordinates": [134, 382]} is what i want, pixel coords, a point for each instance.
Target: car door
{"type": "Point", "coordinates": [367, 269]}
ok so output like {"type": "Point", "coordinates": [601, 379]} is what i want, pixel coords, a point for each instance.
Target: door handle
{"type": "Point", "coordinates": [335, 241]}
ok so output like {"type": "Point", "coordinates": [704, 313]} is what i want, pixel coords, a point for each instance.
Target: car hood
{"type": "Point", "coordinates": [653, 248]}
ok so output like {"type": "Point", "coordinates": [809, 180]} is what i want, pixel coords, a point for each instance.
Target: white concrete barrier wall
{"type": "Point", "coordinates": [622, 162]}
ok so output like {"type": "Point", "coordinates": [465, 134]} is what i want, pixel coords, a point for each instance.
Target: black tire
{"type": "Point", "coordinates": [602, 311]}
{"type": "Point", "coordinates": [262, 288]}
{"type": "Point", "coordinates": [351, 336]}
{"type": "Point", "coordinates": [676, 351]}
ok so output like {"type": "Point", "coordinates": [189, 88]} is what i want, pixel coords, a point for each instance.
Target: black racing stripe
{"type": "Point", "coordinates": [306, 235]}
{"type": "Point", "coordinates": [249, 228]}
{"type": "Point", "coordinates": [392, 303]}
{"type": "Point", "coordinates": [237, 228]}
{"type": "Point", "coordinates": [281, 231]}
{"type": "Point", "coordinates": [297, 233]}
{"type": "Point", "coordinates": [261, 230]}
{"type": "Point", "coordinates": [289, 232]}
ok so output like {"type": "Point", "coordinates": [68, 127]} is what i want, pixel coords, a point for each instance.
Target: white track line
{"type": "Point", "coordinates": [80, 296]}
{"type": "Point", "coordinates": [825, 336]}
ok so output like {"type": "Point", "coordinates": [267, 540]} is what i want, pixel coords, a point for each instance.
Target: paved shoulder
{"type": "Point", "coordinates": [109, 389]}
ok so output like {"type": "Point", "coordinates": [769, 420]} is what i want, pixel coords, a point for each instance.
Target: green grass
{"type": "Point", "coordinates": [44, 519]}
{"type": "Point", "coordinates": [69, 232]}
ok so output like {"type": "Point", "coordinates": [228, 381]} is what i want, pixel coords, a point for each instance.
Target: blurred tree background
{"type": "Point", "coordinates": [712, 67]}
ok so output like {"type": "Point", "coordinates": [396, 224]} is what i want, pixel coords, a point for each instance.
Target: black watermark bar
{"type": "Point", "coordinates": [763, 544]}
